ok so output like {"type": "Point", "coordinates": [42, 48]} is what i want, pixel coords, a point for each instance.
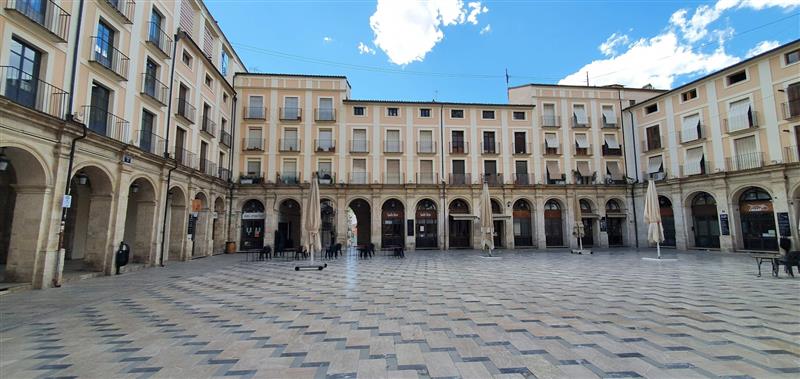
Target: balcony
{"type": "Point", "coordinates": [160, 40]}
{"type": "Point", "coordinates": [209, 126]}
{"type": "Point", "coordinates": [359, 178]}
{"type": "Point", "coordinates": [289, 178]}
{"type": "Point", "coordinates": [325, 145]}
{"type": "Point", "coordinates": [109, 57]}
{"type": "Point", "coordinates": [252, 178]}
{"type": "Point", "coordinates": [427, 178]}
{"type": "Point", "coordinates": [791, 109]}
{"type": "Point", "coordinates": [105, 123]}
{"type": "Point", "coordinates": [460, 179]}
{"type": "Point", "coordinates": [185, 157]}
{"type": "Point", "coordinates": [581, 151]}
{"type": "Point", "coordinates": [326, 178]}
{"type": "Point", "coordinates": [426, 147]}
{"type": "Point", "coordinates": [651, 145]}
{"type": "Point", "coordinates": [704, 168]}
{"type": "Point", "coordinates": [459, 148]}
{"type": "Point", "coordinates": [185, 110]}
{"type": "Point", "coordinates": [393, 147]}
{"type": "Point", "coordinates": [554, 150]}
{"type": "Point", "coordinates": [208, 167]}
{"type": "Point", "coordinates": [30, 92]}
{"type": "Point", "coordinates": [579, 125]}
{"type": "Point", "coordinates": [154, 89]}
{"type": "Point", "coordinates": [359, 146]}
{"type": "Point", "coordinates": [493, 179]}
{"type": "Point", "coordinates": [291, 114]}
{"type": "Point", "coordinates": [289, 145]}
{"type": "Point", "coordinates": [123, 8]}
{"type": "Point", "coordinates": [582, 180]}
{"type": "Point", "coordinates": [609, 125]}
{"type": "Point", "coordinates": [225, 138]}
{"type": "Point", "coordinates": [393, 178]}
{"type": "Point", "coordinates": [255, 113]}
{"type": "Point", "coordinates": [523, 179]}
{"type": "Point", "coordinates": [44, 13]}
{"type": "Point", "coordinates": [688, 135]}
{"type": "Point", "coordinates": [657, 176]}
{"type": "Point", "coordinates": [745, 161]}
{"type": "Point", "coordinates": [324, 114]}
{"type": "Point", "coordinates": [551, 121]}
{"type": "Point", "coordinates": [521, 148]}
{"type": "Point", "coordinates": [252, 144]}
{"type": "Point", "coordinates": [740, 123]}
{"type": "Point", "coordinates": [558, 181]}
{"type": "Point", "coordinates": [150, 142]}
{"type": "Point", "coordinates": [609, 152]}
{"type": "Point", "coordinates": [224, 174]}
{"type": "Point", "coordinates": [791, 154]}
{"type": "Point", "coordinates": [490, 148]}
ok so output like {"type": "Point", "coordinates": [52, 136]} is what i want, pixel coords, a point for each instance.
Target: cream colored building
{"type": "Point", "coordinates": [724, 152]}
{"type": "Point", "coordinates": [120, 84]}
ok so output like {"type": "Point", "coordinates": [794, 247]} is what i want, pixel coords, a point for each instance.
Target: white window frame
{"type": "Point", "coordinates": [463, 112]}
{"type": "Point", "coordinates": [696, 95]}
{"type": "Point", "coordinates": [746, 79]}
{"type": "Point", "coordinates": [398, 112]}
{"type": "Point", "coordinates": [362, 107]}
{"type": "Point", "coordinates": [494, 114]}
{"type": "Point", "coordinates": [430, 113]}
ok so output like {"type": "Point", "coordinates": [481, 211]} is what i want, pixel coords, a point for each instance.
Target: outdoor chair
{"type": "Point", "coordinates": [300, 253]}
{"type": "Point", "coordinates": [265, 253]}
{"type": "Point", "coordinates": [337, 251]}
{"type": "Point", "coordinates": [790, 260]}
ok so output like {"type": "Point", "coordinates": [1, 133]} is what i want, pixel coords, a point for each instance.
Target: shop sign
{"type": "Point", "coordinates": [756, 207]}
{"type": "Point", "coordinates": [391, 214]}
{"type": "Point", "coordinates": [425, 214]}
{"type": "Point", "coordinates": [253, 215]}
{"type": "Point", "coordinates": [724, 225]}
{"type": "Point", "coordinates": [784, 226]}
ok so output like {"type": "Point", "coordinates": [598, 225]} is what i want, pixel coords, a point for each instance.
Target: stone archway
{"type": "Point", "coordinates": [523, 223]}
{"type": "Point", "coordinates": [667, 220]}
{"type": "Point", "coordinates": [757, 220]}
{"type": "Point", "coordinates": [427, 225]}
{"type": "Point", "coordinates": [218, 226]}
{"type": "Point", "coordinates": [705, 221]}
{"type": "Point", "coordinates": [588, 219]}
{"type": "Point", "coordinates": [140, 221]}
{"type": "Point", "coordinates": [499, 223]}
{"type": "Point", "coordinates": [615, 223]}
{"type": "Point", "coordinates": [459, 225]}
{"type": "Point", "coordinates": [253, 219]}
{"type": "Point", "coordinates": [393, 223]}
{"type": "Point", "coordinates": [201, 215]}
{"type": "Point", "coordinates": [554, 223]}
{"type": "Point", "coordinates": [87, 230]}
{"type": "Point", "coordinates": [177, 214]}
{"type": "Point", "coordinates": [363, 225]}
{"type": "Point", "coordinates": [327, 209]}
{"type": "Point", "coordinates": [289, 225]}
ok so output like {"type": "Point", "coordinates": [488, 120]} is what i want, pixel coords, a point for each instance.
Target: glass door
{"type": "Point", "coordinates": [98, 114]}
{"type": "Point", "coordinates": [23, 75]}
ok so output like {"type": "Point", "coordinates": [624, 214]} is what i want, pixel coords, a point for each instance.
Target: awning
{"type": "Point", "coordinates": [654, 164]}
{"type": "Point", "coordinates": [738, 118]}
{"type": "Point", "coordinates": [463, 217]}
{"type": "Point", "coordinates": [610, 116]}
{"type": "Point", "coordinates": [583, 168]}
{"type": "Point", "coordinates": [582, 141]}
{"type": "Point", "coordinates": [689, 130]}
{"type": "Point", "coordinates": [580, 115]}
{"type": "Point", "coordinates": [551, 140]}
{"type": "Point", "coordinates": [553, 170]}
{"type": "Point", "coordinates": [611, 141]}
{"type": "Point", "coordinates": [590, 215]}
{"type": "Point", "coordinates": [694, 159]}
{"type": "Point", "coordinates": [613, 169]}
{"type": "Point", "coordinates": [616, 215]}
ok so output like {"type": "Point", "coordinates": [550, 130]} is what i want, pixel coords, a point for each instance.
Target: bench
{"type": "Point", "coordinates": [772, 258]}
{"type": "Point", "coordinates": [789, 260]}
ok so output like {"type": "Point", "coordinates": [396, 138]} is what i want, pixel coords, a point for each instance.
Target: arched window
{"type": "Point", "coordinates": [522, 205]}
{"type": "Point", "coordinates": [552, 205]}
{"type": "Point", "coordinates": [496, 207]}
{"type": "Point", "coordinates": [703, 198]}
{"type": "Point", "coordinates": [663, 202]}
{"type": "Point", "coordinates": [459, 206]}
{"type": "Point", "coordinates": [252, 206]}
{"type": "Point", "coordinates": [426, 204]}
{"type": "Point", "coordinates": [755, 194]}
{"type": "Point", "coordinates": [585, 206]}
{"type": "Point", "coordinates": [613, 206]}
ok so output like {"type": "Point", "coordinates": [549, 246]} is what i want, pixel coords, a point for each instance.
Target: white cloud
{"type": "Point", "coordinates": [486, 29]}
{"type": "Point", "coordinates": [761, 4]}
{"type": "Point", "coordinates": [762, 47]}
{"type": "Point", "coordinates": [327, 39]}
{"type": "Point", "coordinates": [609, 48]}
{"type": "Point", "coordinates": [364, 49]}
{"type": "Point", "coordinates": [407, 30]}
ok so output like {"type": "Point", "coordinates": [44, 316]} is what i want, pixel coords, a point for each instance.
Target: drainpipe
{"type": "Point", "coordinates": [166, 149]}
{"type": "Point", "coordinates": [166, 208]}
{"type": "Point", "coordinates": [230, 163]}
{"type": "Point", "coordinates": [70, 105]}
{"type": "Point", "coordinates": [443, 193]}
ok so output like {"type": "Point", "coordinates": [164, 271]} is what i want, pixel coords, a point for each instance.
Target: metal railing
{"type": "Point", "coordinates": [326, 178]}
{"type": "Point", "coordinates": [253, 144]}
{"type": "Point", "coordinates": [426, 147]}
{"type": "Point", "coordinates": [359, 178]}
{"type": "Point", "coordinates": [123, 8]}
{"type": "Point", "coordinates": [579, 125]}
{"type": "Point", "coordinates": [45, 13]}
{"type": "Point", "coordinates": [224, 174]}
{"type": "Point", "coordinates": [741, 122]}
{"type": "Point", "coordinates": [521, 148]}
{"type": "Point", "coordinates": [459, 179]}
{"type": "Point", "coordinates": [648, 145]}
{"type": "Point", "coordinates": [291, 114]}
{"type": "Point", "coordinates": [153, 88]}
{"type": "Point", "coordinates": [459, 147]}
{"type": "Point", "coordinates": [393, 178]}
{"type": "Point", "coordinates": [150, 142]}
{"type": "Point", "coordinates": [551, 150]}
{"type": "Point", "coordinates": [255, 113]}
{"type": "Point", "coordinates": [30, 92]}
{"type": "Point", "coordinates": [289, 145]}
{"type": "Point", "coordinates": [493, 179]}
{"type": "Point", "coordinates": [551, 121]}
{"type": "Point", "coordinates": [745, 161]}
{"type": "Point", "coordinates": [703, 168]}
{"type": "Point", "coordinates": [325, 145]}
{"type": "Point", "coordinates": [251, 178]}
{"type": "Point", "coordinates": [791, 109]}
{"type": "Point", "coordinates": [185, 157]}
{"type": "Point", "coordinates": [686, 134]}
{"type": "Point", "coordinates": [209, 126]}
{"type": "Point", "coordinates": [159, 39]}
{"type": "Point", "coordinates": [581, 151]}
{"type": "Point", "coordinates": [393, 146]}
{"type": "Point", "coordinates": [208, 167]}
{"type": "Point", "coordinates": [359, 146]}
{"type": "Point", "coordinates": [558, 181]}
{"type": "Point", "coordinates": [289, 177]}
{"type": "Point", "coordinates": [324, 114]}
{"type": "Point", "coordinates": [185, 110]}
{"type": "Point", "coordinates": [102, 122]}
{"type": "Point", "coordinates": [107, 55]}
{"type": "Point", "coordinates": [490, 148]}
{"type": "Point", "coordinates": [791, 154]}
{"type": "Point", "coordinates": [582, 180]}
{"type": "Point", "coordinates": [225, 138]}
{"type": "Point", "coordinates": [607, 151]}
{"type": "Point", "coordinates": [609, 125]}
{"type": "Point", "coordinates": [523, 179]}
{"type": "Point", "coordinates": [427, 178]}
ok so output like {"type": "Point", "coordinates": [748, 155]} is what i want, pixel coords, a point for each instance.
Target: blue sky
{"type": "Point", "coordinates": [455, 50]}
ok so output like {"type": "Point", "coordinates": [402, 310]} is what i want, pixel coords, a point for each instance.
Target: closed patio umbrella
{"type": "Point", "coordinates": [652, 217]}
{"type": "Point", "coordinates": [487, 220]}
{"type": "Point", "coordinates": [578, 228]}
{"type": "Point", "coordinates": [312, 221]}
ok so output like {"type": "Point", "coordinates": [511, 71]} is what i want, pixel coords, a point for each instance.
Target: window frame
{"type": "Point", "coordinates": [463, 113]}
{"type": "Point", "coordinates": [483, 114]}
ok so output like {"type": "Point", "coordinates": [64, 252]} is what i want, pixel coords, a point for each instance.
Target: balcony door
{"type": "Point", "coordinates": [155, 27]}
{"type": "Point", "coordinates": [23, 75]}
{"type": "Point", "coordinates": [146, 134]}
{"type": "Point", "coordinates": [488, 142]}
{"type": "Point", "coordinates": [180, 139]}
{"type": "Point", "coordinates": [457, 137]}
{"type": "Point", "coordinates": [98, 115]}
{"type": "Point", "coordinates": [520, 144]}
{"type": "Point", "coordinates": [104, 46]}
{"type": "Point", "coordinates": [150, 77]}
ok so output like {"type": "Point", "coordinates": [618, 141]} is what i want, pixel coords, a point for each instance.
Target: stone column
{"type": "Point", "coordinates": [376, 225]}
{"type": "Point", "coordinates": [99, 250]}
{"type": "Point", "coordinates": [145, 242]}
{"type": "Point", "coordinates": [541, 238]}
{"type": "Point", "coordinates": [27, 248]}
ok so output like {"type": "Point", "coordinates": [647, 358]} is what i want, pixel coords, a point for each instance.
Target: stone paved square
{"type": "Point", "coordinates": [433, 314]}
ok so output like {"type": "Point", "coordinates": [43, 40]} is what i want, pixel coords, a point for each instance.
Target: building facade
{"type": "Point", "coordinates": [724, 152]}
{"type": "Point", "coordinates": [115, 125]}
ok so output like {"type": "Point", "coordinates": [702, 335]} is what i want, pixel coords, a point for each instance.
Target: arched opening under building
{"type": "Point", "coordinates": [757, 220]}
{"type": "Point", "coordinates": [328, 228]}
{"type": "Point", "coordinates": [218, 226]}
{"type": "Point", "coordinates": [553, 224]}
{"type": "Point", "coordinates": [460, 220]}
{"type": "Point", "coordinates": [392, 224]}
{"type": "Point", "coordinates": [86, 235]}
{"type": "Point", "coordinates": [289, 225]}
{"type": "Point", "coordinates": [523, 223]}
{"type": "Point", "coordinates": [177, 214]}
{"type": "Point", "coordinates": [667, 220]}
{"type": "Point", "coordinates": [22, 202]}
{"type": "Point", "coordinates": [363, 226]}
{"type": "Point", "coordinates": [427, 233]}
{"type": "Point", "coordinates": [140, 221]}
{"type": "Point", "coordinates": [199, 233]}
{"type": "Point", "coordinates": [588, 218]}
{"type": "Point", "coordinates": [252, 235]}
{"type": "Point", "coordinates": [705, 221]}
{"type": "Point", "coordinates": [615, 223]}
{"type": "Point", "coordinates": [499, 223]}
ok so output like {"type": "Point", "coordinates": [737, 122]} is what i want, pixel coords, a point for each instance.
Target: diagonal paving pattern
{"type": "Point", "coordinates": [433, 314]}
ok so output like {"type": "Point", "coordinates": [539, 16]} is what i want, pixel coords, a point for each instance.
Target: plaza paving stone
{"type": "Point", "coordinates": [433, 314]}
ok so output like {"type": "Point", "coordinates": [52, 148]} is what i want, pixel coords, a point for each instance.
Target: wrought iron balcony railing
{"type": "Point", "coordinates": [185, 109]}
{"type": "Point", "coordinates": [30, 92]}
{"type": "Point", "coordinates": [393, 178]}
{"type": "Point", "coordinates": [459, 179]}
{"type": "Point", "coordinates": [791, 109]}
{"type": "Point", "coordinates": [427, 178]}
{"type": "Point", "coordinates": [289, 177]}
{"type": "Point", "coordinates": [702, 168]}
{"type": "Point", "coordinates": [124, 8]}
{"type": "Point", "coordinates": [490, 147]}
{"type": "Point", "coordinates": [791, 154]}
{"type": "Point", "coordinates": [224, 174]}
{"type": "Point", "coordinates": [359, 178]}
{"type": "Point", "coordinates": [745, 161]}
{"type": "Point", "coordinates": [185, 157]}
{"type": "Point", "coordinates": [521, 148]}
{"type": "Point", "coordinates": [607, 151]}
{"type": "Point", "coordinates": [359, 146]}
{"type": "Point", "coordinates": [107, 55]}
{"type": "Point", "coordinates": [741, 122]}
{"type": "Point", "coordinates": [150, 142]}
{"type": "Point", "coordinates": [551, 121]}
{"type": "Point", "coordinates": [426, 147]}
{"type": "Point", "coordinates": [255, 113]}
{"type": "Point", "coordinates": [325, 114]}
{"type": "Point", "coordinates": [393, 146]}
{"type": "Point", "coordinates": [523, 179]}
{"type": "Point", "coordinates": [251, 178]}
{"type": "Point", "coordinates": [208, 167]}
{"type": "Point", "coordinates": [209, 126]}
{"type": "Point", "coordinates": [103, 122]}
{"type": "Point", "coordinates": [581, 151]}
{"type": "Point", "coordinates": [45, 13]}
{"type": "Point", "coordinates": [289, 145]}
{"type": "Point", "coordinates": [159, 39]}
{"type": "Point", "coordinates": [325, 145]}
{"type": "Point", "coordinates": [291, 114]}
{"type": "Point", "coordinates": [225, 138]}
{"type": "Point", "coordinates": [493, 179]}
{"type": "Point", "coordinates": [153, 88]}
{"type": "Point", "coordinates": [581, 125]}
{"type": "Point", "coordinates": [253, 144]}
{"type": "Point", "coordinates": [548, 150]}
{"type": "Point", "coordinates": [459, 148]}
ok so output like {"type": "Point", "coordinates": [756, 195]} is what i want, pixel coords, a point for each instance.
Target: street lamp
{"type": "Point", "coordinates": [82, 178]}
{"type": "Point", "coordinates": [134, 188]}
{"type": "Point", "coordinates": [4, 162]}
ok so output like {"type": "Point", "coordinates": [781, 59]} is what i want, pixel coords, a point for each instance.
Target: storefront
{"type": "Point", "coordinates": [705, 221]}
{"type": "Point", "coordinates": [553, 224]}
{"type": "Point", "coordinates": [616, 223]}
{"type": "Point", "coordinates": [460, 225]}
{"type": "Point", "coordinates": [523, 224]}
{"type": "Point", "coordinates": [427, 225]}
{"type": "Point", "coordinates": [758, 220]}
{"type": "Point", "coordinates": [392, 220]}
{"type": "Point", "coordinates": [252, 225]}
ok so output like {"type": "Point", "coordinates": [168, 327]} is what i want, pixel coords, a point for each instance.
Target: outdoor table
{"type": "Point", "coordinates": [772, 258]}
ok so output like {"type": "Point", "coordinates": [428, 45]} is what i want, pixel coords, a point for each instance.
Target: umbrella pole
{"type": "Point", "coordinates": [658, 249]}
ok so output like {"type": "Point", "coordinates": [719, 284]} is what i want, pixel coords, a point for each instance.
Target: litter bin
{"type": "Point", "coordinates": [122, 256]}
{"type": "Point", "coordinates": [230, 247]}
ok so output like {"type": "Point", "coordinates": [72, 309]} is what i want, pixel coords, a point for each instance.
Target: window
{"type": "Point", "coordinates": [426, 142]}
{"type": "Point", "coordinates": [655, 164]}
{"type": "Point", "coordinates": [156, 20]}
{"type": "Point", "coordinates": [209, 82]}
{"type": "Point", "coordinates": [489, 143]}
{"type": "Point", "coordinates": [549, 115]}
{"type": "Point", "coordinates": [146, 132]}
{"type": "Point", "coordinates": [104, 45]}
{"type": "Point", "coordinates": [324, 169]}
{"type": "Point", "coordinates": [187, 58]}
{"type": "Point", "coordinates": [456, 113]}
{"type": "Point", "coordinates": [609, 116]}
{"type": "Point", "coordinates": [393, 171]}
{"type": "Point", "coordinates": [689, 95]}
{"type": "Point", "coordinates": [359, 141]}
{"type": "Point", "coordinates": [255, 109]}
{"type": "Point", "coordinates": [520, 143]}
{"type": "Point", "coordinates": [459, 168]}
{"type": "Point", "coordinates": [457, 144]}
{"type": "Point", "coordinates": [551, 144]}
{"type": "Point", "coordinates": [254, 140]}
{"type": "Point", "coordinates": [579, 116]}
{"type": "Point", "coordinates": [519, 116]}
{"type": "Point", "coordinates": [393, 141]}
{"type": "Point", "coordinates": [100, 109]}
{"type": "Point", "coordinates": [359, 174]}
{"type": "Point", "coordinates": [21, 78]}
{"type": "Point", "coordinates": [225, 98]}
{"type": "Point", "coordinates": [325, 142]}
{"type": "Point", "coordinates": [694, 162]}
{"type": "Point", "coordinates": [424, 112]}
{"type": "Point", "coordinates": [740, 115]}
{"type": "Point", "coordinates": [291, 108]}
{"type": "Point", "coordinates": [290, 140]}
{"type": "Point", "coordinates": [736, 77]}
{"type": "Point", "coordinates": [223, 63]}
{"type": "Point", "coordinates": [359, 111]}
{"type": "Point", "coordinates": [690, 128]}
{"type": "Point", "coordinates": [254, 167]}
{"type": "Point", "coordinates": [487, 115]}
{"type": "Point", "coordinates": [792, 57]}
{"type": "Point", "coordinates": [392, 111]}
{"type": "Point", "coordinates": [652, 108]}
{"type": "Point", "coordinates": [325, 112]}
{"type": "Point", "coordinates": [653, 137]}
